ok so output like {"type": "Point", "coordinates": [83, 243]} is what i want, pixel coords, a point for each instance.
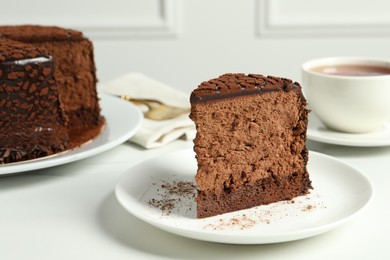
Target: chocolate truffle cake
{"type": "Point", "coordinates": [74, 68]}
{"type": "Point", "coordinates": [250, 142]}
{"type": "Point", "coordinates": [72, 92]}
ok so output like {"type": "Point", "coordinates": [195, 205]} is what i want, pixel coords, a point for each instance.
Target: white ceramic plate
{"type": "Point", "coordinates": [122, 121]}
{"type": "Point", "coordinates": [148, 191]}
{"type": "Point", "coordinates": [318, 132]}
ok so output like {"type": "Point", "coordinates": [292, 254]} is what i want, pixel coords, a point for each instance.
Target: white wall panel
{"type": "Point", "coordinates": [97, 18]}
{"type": "Point", "coordinates": [323, 18]}
{"type": "Point", "coordinates": [184, 42]}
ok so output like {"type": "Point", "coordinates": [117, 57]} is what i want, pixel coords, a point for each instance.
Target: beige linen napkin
{"type": "Point", "coordinates": [153, 133]}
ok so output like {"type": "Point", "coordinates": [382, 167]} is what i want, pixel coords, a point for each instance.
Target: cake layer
{"type": "Point", "coordinates": [32, 123]}
{"type": "Point", "coordinates": [251, 133]}
{"type": "Point", "coordinates": [242, 140]}
{"type": "Point", "coordinates": [264, 191]}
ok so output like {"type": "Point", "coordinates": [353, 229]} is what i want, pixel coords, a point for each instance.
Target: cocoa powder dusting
{"type": "Point", "coordinates": [172, 195]}
{"type": "Point", "coordinates": [268, 214]}
{"type": "Point", "coordinates": [176, 198]}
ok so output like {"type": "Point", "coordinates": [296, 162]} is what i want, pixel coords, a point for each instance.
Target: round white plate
{"type": "Point", "coordinates": [318, 132]}
{"type": "Point", "coordinates": [149, 192]}
{"type": "Point", "coordinates": [122, 121]}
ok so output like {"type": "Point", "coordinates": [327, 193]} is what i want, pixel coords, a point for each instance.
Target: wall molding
{"type": "Point", "coordinates": [167, 24]}
{"type": "Point", "coordinates": [273, 19]}
{"type": "Point", "coordinates": [124, 19]}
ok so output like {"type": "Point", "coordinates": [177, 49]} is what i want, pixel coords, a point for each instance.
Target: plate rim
{"type": "Point", "coordinates": [108, 104]}
{"type": "Point", "coordinates": [313, 136]}
{"type": "Point", "coordinates": [214, 236]}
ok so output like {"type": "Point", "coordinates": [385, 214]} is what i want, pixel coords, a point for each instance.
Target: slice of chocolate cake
{"type": "Point", "coordinates": [250, 142]}
{"type": "Point", "coordinates": [32, 122]}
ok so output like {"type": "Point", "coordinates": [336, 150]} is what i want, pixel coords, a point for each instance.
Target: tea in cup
{"type": "Point", "coordinates": [348, 94]}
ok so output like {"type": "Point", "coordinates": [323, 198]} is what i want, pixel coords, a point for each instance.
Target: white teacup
{"type": "Point", "coordinates": [348, 94]}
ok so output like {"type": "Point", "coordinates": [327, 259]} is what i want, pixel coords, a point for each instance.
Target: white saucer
{"type": "Point", "coordinates": [147, 191]}
{"type": "Point", "coordinates": [318, 132]}
{"type": "Point", "coordinates": [122, 121]}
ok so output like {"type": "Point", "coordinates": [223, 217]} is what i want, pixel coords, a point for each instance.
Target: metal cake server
{"type": "Point", "coordinates": [157, 110]}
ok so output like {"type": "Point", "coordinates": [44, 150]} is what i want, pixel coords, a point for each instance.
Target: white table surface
{"type": "Point", "coordinates": [70, 212]}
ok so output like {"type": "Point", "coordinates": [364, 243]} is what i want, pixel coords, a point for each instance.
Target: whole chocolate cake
{"type": "Point", "coordinates": [39, 64]}
{"type": "Point", "coordinates": [250, 142]}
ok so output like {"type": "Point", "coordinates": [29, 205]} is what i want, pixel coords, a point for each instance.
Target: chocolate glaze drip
{"type": "Point", "coordinates": [29, 61]}
{"type": "Point", "coordinates": [239, 84]}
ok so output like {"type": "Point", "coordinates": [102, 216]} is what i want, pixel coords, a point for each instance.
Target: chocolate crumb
{"type": "Point", "coordinates": [180, 188]}
{"type": "Point", "coordinates": [308, 208]}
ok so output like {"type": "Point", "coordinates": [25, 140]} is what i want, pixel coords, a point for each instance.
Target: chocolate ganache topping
{"type": "Point", "coordinates": [240, 84]}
